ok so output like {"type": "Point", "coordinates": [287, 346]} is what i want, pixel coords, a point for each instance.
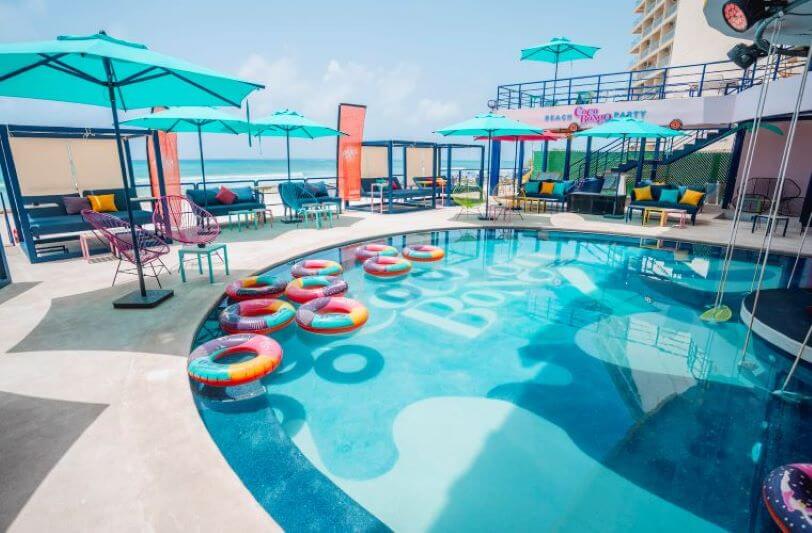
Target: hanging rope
{"type": "Point", "coordinates": [719, 312]}
{"type": "Point", "coordinates": [782, 175]}
{"type": "Point", "coordinates": [783, 390]}
{"type": "Point", "coordinates": [800, 249]}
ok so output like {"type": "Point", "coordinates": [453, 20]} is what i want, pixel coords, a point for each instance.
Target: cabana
{"type": "Point", "coordinates": [417, 185]}
{"type": "Point", "coordinates": [44, 167]}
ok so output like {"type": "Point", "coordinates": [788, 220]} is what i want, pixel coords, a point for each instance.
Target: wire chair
{"type": "Point", "coordinates": [179, 219]}
{"type": "Point", "coordinates": [468, 196]}
{"type": "Point", "coordinates": [117, 233]}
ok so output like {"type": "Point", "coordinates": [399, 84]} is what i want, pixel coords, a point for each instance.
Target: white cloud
{"type": "Point", "coordinates": [396, 107]}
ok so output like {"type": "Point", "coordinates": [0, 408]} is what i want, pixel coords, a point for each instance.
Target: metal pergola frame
{"type": "Point", "coordinates": [18, 201]}
{"type": "Point", "coordinates": [438, 148]}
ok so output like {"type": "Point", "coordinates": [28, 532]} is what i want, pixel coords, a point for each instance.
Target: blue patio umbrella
{"type": "Point", "coordinates": [288, 123]}
{"type": "Point", "coordinates": [489, 125]}
{"type": "Point", "coordinates": [101, 70]}
{"type": "Point", "coordinates": [557, 50]}
{"type": "Point", "coordinates": [192, 119]}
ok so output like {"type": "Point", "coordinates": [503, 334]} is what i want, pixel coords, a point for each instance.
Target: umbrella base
{"type": "Point", "coordinates": [135, 300]}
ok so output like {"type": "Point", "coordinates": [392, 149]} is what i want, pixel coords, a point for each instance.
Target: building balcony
{"type": "Point", "coordinates": [661, 82]}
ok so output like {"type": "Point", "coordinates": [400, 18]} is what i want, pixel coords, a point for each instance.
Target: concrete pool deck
{"type": "Point", "coordinates": [100, 430]}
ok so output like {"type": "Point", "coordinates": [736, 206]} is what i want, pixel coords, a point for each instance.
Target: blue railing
{"type": "Point", "coordinates": [717, 78]}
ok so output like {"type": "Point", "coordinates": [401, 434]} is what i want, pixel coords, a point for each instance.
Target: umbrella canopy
{"type": "Point", "coordinates": [490, 125]}
{"type": "Point", "coordinates": [288, 123]}
{"type": "Point", "coordinates": [629, 128]}
{"type": "Point", "coordinates": [557, 50]}
{"type": "Point", "coordinates": [192, 119]}
{"type": "Point", "coordinates": [101, 70]}
{"type": "Point", "coordinates": [79, 68]}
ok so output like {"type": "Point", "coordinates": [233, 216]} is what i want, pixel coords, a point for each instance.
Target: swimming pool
{"type": "Point", "coordinates": [529, 379]}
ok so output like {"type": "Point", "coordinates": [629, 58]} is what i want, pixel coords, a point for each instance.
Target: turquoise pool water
{"type": "Point", "coordinates": [528, 381]}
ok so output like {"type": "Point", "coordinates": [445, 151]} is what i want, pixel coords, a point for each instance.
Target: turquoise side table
{"type": "Point", "coordinates": [207, 251]}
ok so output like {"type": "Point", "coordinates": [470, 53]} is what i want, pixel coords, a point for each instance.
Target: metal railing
{"type": "Point", "coordinates": [717, 78]}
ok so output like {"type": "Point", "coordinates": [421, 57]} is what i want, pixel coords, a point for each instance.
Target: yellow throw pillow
{"type": "Point", "coordinates": [547, 187]}
{"type": "Point", "coordinates": [102, 203]}
{"type": "Point", "coordinates": [691, 197]}
{"type": "Point", "coordinates": [641, 194]}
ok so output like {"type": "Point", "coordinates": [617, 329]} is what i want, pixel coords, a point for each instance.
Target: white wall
{"type": "Point", "coordinates": [695, 41]}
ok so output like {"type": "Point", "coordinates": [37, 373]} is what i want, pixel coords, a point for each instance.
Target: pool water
{"type": "Point", "coordinates": [529, 380]}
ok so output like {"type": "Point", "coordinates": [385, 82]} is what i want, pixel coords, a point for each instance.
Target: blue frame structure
{"type": "Point", "coordinates": [18, 202]}
{"type": "Point", "coordinates": [625, 86]}
{"type": "Point", "coordinates": [391, 145]}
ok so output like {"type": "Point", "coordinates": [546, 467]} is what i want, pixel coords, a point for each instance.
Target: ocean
{"type": "Point", "coordinates": [246, 170]}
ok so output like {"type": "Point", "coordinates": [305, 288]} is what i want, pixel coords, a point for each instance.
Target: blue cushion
{"type": "Point", "coordinates": [532, 187]}
{"type": "Point", "coordinates": [560, 189]}
{"type": "Point", "coordinates": [244, 194]}
{"type": "Point", "coordinates": [317, 188]}
{"type": "Point", "coordinates": [669, 196]}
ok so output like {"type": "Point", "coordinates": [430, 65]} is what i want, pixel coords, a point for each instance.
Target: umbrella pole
{"type": "Point", "coordinates": [488, 178]}
{"type": "Point", "coordinates": [142, 298]}
{"type": "Point", "coordinates": [202, 166]}
{"type": "Point", "coordinates": [287, 150]}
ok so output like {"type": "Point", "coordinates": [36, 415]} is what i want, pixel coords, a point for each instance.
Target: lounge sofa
{"type": "Point", "coordinates": [247, 198]}
{"type": "Point", "coordinates": [398, 192]}
{"type": "Point", "coordinates": [47, 215]}
{"type": "Point", "coordinates": [656, 192]}
{"type": "Point", "coordinates": [561, 189]}
{"type": "Point", "coordinates": [321, 194]}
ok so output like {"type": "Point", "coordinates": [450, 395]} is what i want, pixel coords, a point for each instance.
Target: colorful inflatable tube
{"type": "Point", "coordinates": [368, 251]}
{"type": "Point", "coordinates": [204, 368]}
{"type": "Point", "coordinates": [787, 493]}
{"type": "Point", "coordinates": [264, 286]}
{"type": "Point", "coordinates": [261, 316]}
{"type": "Point", "coordinates": [387, 267]}
{"type": "Point", "coordinates": [316, 267]}
{"type": "Point", "coordinates": [423, 253]}
{"type": "Point", "coordinates": [302, 290]}
{"type": "Point", "coordinates": [332, 316]}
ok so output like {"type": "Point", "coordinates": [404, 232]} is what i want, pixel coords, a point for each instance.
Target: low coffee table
{"type": "Point", "coordinates": [777, 219]}
{"type": "Point", "coordinates": [665, 212]}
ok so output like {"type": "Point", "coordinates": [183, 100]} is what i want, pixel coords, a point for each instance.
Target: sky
{"type": "Point", "coordinates": [418, 65]}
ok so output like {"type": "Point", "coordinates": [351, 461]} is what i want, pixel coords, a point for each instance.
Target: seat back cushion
{"type": "Point", "coordinates": [560, 189]}
{"type": "Point", "coordinates": [532, 187]}
{"type": "Point", "coordinates": [103, 203]}
{"type": "Point", "coordinates": [244, 194]}
{"type": "Point", "coordinates": [691, 197]}
{"type": "Point", "coordinates": [317, 188]}
{"type": "Point", "coordinates": [75, 204]}
{"type": "Point", "coordinates": [225, 196]}
{"type": "Point", "coordinates": [642, 194]}
{"type": "Point", "coordinates": [669, 196]}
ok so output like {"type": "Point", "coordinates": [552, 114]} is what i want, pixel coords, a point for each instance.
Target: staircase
{"type": "Point", "coordinates": [622, 155]}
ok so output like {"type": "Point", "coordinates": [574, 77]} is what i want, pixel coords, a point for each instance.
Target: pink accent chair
{"type": "Point", "coordinates": [117, 233]}
{"type": "Point", "coordinates": [179, 219]}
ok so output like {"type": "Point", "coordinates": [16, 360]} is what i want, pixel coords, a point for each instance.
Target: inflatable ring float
{"type": "Point", "coordinates": [261, 316]}
{"type": "Point", "coordinates": [368, 251]}
{"type": "Point", "coordinates": [264, 286]}
{"type": "Point", "coordinates": [787, 493]}
{"type": "Point", "coordinates": [332, 316]}
{"type": "Point", "coordinates": [302, 290]}
{"type": "Point", "coordinates": [316, 267]}
{"type": "Point", "coordinates": [387, 267]}
{"type": "Point", "coordinates": [423, 253]}
{"type": "Point", "coordinates": [204, 368]}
